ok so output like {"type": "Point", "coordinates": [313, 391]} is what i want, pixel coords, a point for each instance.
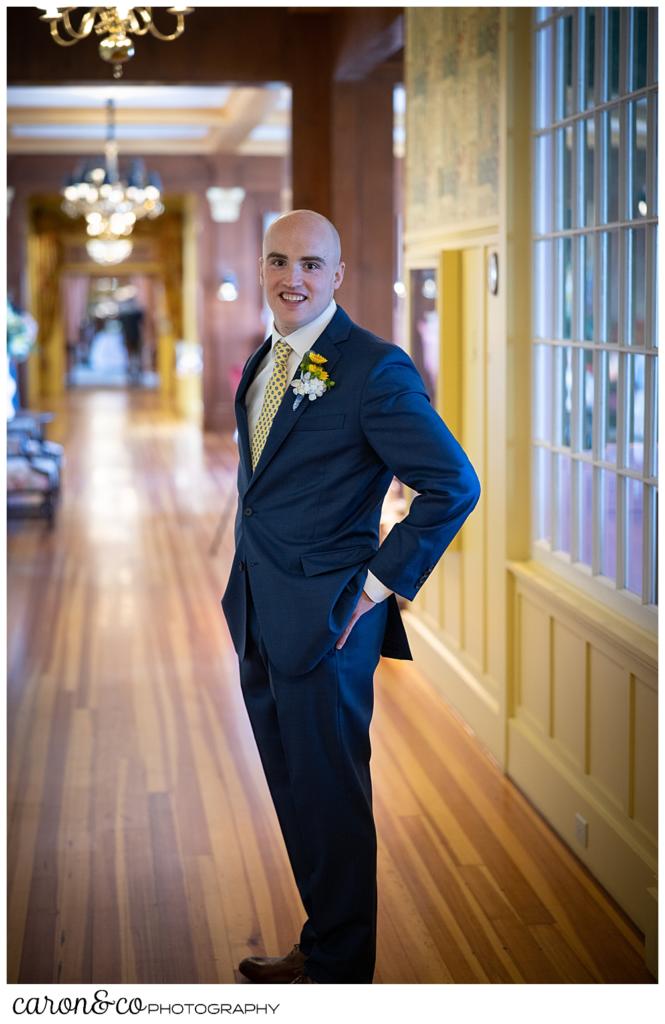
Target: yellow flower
{"type": "Point", "coordinates": [312, 368]}
{"type": "Point", "coordinates": [322, 375]}
{"type": "Point", "coordinates": [316, 358]}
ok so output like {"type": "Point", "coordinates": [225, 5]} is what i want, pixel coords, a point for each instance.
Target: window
{"type": "Point", "coordinates": [595, 344]}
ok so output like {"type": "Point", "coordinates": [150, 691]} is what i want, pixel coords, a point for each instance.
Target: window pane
{"type": "Point", "coordinates": [640, 19]}
{"type": "Point", "coordinates": [652, 200]}
{"type": "Point", "coordinates": [564, 165]}
{"type": "Point", "coordinates": [654, 422]}
{"type": "Point", "coordinates": [563, 509]}
{"type": "Point", "coordinates": [544, 114]}
{"type": "Point", "coordinates": [612, 132]}
{"type": "Point", "coordinates": [611, 296]}
{"type": "Point", "coordinates": [589, 16]}
{"type": "Point", "coordinates": [638, 122]}
{"type": "Point", "coordinates": [544, 184]}
{"type": "Point", "coordinates": [564, 289]}
{"type": "Point", "coordinates": [608, 520]}
{"type": "Point", "coordinates": [542, 392]}
{"type": "Point", "coordinates": [585, 553]}
{"type": "Point", "coordinates": [587, 128]}
{"type": "Point", "coordinates": [588, 388]}
{"type": "Point", "coordinates": [543, 13]}
{"type": "Point", "coordinates": [542, 506]}
{"type": "Point", "coordinates": [653, 279]}
{"type": "Point", "coordinates": [564, 371]}
{"type": "Point", "coordinates": [613, 15]}
{"type": "Point", "coordinates": [609, 445]}
{"type": "Point", "coordinates": [637, 310]}
{"type": "Point", "coordinates": [542, 300]}
{"type": "Point", "coordinates": [635, 410]}
{"type": "Point", "coordinates": [634, 522]}
{"type": "Point", "coordinates": [564, 98]}
{"type": "Point", "coordinates": [588, 248]}
{"type": "Point", "coordinates": [652, 589]}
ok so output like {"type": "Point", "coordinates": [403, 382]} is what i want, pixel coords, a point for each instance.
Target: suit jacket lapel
{"type": "Point", "coordinates": [286, 417]}
{"type": "Point", "coordinates": [253, 363]}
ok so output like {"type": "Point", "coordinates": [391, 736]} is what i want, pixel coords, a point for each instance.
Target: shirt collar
{"type": "Point", "coordinates": [303, 339]}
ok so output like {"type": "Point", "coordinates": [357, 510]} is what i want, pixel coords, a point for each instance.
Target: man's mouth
{"type": "Point", "coordinates": [293, 297]}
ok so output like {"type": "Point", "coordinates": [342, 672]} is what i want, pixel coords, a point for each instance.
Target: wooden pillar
{"type": "Point", "coordinates": [363, 196]}
{"type": "Point", "coordinates": [310, 75]}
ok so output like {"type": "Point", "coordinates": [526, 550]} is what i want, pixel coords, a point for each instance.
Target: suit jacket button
{"type": "Point", "coordinates": [248, 511]}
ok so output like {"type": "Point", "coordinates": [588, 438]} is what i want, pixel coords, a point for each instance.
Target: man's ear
{"type": "Point", "coordinates": [261, 281]}
{"type": "Point", "coordinates": [339, 276]}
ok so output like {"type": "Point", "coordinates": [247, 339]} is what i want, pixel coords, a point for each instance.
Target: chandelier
{"type": "Point", "coordinates": [110, 204]}
{"type": "Point", "coordinates": [109, 251]}
{"type": "Point", "coordinates": [116, 24]}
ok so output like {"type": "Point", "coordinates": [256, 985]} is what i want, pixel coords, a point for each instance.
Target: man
{"type": "Point", "coordinates": [310, 600]}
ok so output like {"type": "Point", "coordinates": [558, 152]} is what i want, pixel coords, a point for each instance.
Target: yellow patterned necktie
{"type": "Point", "coordinates": [274, 393]}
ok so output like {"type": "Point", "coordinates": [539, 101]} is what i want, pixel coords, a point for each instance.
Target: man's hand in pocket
{"type": "Point", "coordinates": [365, 604]}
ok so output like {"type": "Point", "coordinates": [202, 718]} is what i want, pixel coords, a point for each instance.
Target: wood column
{"type": "Point", "coordinates": [363, 196]}
{"type": "Point", "coordinates": [310, 75]}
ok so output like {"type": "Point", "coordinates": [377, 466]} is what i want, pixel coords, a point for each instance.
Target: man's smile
{"type": "Point", "coordinates": [293, 297]}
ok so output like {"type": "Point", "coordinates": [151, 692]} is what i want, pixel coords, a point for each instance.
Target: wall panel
{"type": "Point", "coordinates": [569, 693]}
{"type": "Point", "coordinates": [609, 727]}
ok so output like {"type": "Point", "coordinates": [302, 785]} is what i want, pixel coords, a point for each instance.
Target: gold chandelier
{"type": "Point", "coordinates": [116, 24]}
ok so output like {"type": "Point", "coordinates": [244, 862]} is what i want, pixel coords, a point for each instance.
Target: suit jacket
{"type": "Point", "coordinates": [307, 525]}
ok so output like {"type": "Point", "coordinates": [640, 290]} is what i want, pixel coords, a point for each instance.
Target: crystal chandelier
{"type": "Point", "coordinates": [116, 24]}
{"type": "Point", "coordinates": [109, 251]}
{"type": "Point", "coordinates": [112, 205]}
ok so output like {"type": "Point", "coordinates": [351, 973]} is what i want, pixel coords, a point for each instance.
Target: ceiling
{"type": "Point", "coordinates": [167, 119]}
{"type": "Point", "coordinates": [149, 119]}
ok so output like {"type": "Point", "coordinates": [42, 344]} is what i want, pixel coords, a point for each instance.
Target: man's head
{"type": "Point", "coordinates": [300, 268]}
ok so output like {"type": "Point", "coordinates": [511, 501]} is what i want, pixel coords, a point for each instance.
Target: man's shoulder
{"type": "Point", "coordinates": [373, 347]}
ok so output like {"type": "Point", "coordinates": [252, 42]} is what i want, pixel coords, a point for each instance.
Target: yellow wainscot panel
{"type": "Point", "coordinates": [645, 758]}
{"type": "Point", "coordinates": [609, 727]}
{"type": "Point", "coordinates": [533, 694]}
{"type": "Point", "coordinates": [569, 693]}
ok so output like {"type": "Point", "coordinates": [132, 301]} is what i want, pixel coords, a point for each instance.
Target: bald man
{"type": "Point", "coordinates": [327, 414]}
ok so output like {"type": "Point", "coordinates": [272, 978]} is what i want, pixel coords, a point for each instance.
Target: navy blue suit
{"type": "Point", "coordinates": [306, 533]}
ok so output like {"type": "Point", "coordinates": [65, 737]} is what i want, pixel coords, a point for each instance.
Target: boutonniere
{"type": "Point", "coordinates": [313, 380]}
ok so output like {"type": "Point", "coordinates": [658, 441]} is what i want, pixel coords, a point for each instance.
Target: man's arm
{"type": "Point", "coordinates": [412, 440]}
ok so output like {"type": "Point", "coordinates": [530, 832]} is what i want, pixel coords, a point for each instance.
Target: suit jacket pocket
{"type": "Point", "coordinates": [316, 562]}
{"type": "Point", "coordinates": [311, 420]}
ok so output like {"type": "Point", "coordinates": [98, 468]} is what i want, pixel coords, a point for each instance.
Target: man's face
{"type": "Point", "coordinates": [299, 270]}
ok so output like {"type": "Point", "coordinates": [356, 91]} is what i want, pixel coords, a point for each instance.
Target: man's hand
{"type": "Point", "coordinates": [365, 604]}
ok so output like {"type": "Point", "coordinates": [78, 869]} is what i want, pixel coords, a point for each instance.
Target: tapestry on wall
{"type": "Point", "coordinates": [452, 115]}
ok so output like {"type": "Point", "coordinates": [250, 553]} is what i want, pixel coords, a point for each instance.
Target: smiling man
{"type": "Point", "coordinates": [327, 415]}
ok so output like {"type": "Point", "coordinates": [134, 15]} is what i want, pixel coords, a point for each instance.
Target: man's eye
{"type": "Point", "coordinates": [311, 266]}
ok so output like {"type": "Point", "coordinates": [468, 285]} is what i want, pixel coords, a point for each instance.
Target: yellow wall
{"type": "Point", "coordinates": [561, 691]}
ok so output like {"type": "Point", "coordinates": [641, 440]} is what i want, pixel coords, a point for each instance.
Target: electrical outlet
{"type": "Point", "coordinates": [581, 830]}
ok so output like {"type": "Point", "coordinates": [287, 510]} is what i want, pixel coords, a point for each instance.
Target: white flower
{"type": "Point", "coordinates": [307, 386]}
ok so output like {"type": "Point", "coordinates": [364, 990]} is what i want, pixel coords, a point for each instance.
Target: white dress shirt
{"type": "Point", "coordinates": [301, 341]}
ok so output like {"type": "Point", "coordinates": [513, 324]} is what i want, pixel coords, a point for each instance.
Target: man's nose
{"type": "Point", "coordinates": [294, 275]}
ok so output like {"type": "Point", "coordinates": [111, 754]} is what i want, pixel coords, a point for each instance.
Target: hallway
{"type": "Point", "coordinates": [143, 846]}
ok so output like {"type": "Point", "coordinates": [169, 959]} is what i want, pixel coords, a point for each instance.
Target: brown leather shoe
{"type": "Point", "coordinates": [274, 970]}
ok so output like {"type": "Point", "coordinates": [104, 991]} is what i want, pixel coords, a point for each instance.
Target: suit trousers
{"type": "Point", "coordinates": [312, 733]}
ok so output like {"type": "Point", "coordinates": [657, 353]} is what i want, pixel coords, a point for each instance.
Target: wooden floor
{"type": "Point", "coordinates": [143, 846]}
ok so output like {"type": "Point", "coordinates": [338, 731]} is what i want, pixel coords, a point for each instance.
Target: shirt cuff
{"type": "Point", "coordinates": [375, 589]}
